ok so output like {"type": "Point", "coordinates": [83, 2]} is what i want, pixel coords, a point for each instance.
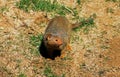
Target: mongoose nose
{"type": "Point", "coordinates": [59, 42]}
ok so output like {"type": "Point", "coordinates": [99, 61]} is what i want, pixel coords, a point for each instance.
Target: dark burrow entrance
{"type": "Point", "coordinates": [43, 51]}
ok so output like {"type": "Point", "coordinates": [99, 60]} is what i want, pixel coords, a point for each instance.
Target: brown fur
{"type": "Point", "coordinates": [57, 35]}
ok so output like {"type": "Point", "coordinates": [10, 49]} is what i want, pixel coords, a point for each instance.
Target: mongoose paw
{"type": "Point", "coordinates": [62, 55]}
{"type": "Point", "coordinates": [69, 47]}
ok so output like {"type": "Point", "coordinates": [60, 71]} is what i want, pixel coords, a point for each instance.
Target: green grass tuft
{"type": "Point", "coordinates": [112, 0]}
{"type": "Point", "coordinates": [43, 5]}
{"type": "Point", "coordinates": [48, 72]}
{"type": "Point", "coordinates": [35, 41]}
{"type": "Point", "coordinates": [86, 24]}
{"type": "Point", "coordinates": [3, 8]}
{"type": "Point", "coordinates": [79, 1]}
{"type": "Point", "coordinates": [110, 10]}
{"type": "Point", "coordinates": [22, 75]}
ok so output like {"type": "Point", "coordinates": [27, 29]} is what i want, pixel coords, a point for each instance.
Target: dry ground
{"type": "Point", "coordinates": [95, 54]}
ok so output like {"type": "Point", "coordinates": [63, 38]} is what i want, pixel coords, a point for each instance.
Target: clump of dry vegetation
{"type": "Point", "coordinates": [95, 44]}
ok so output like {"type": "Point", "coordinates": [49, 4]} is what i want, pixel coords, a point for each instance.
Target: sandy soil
{"type": "Point", "coordinates": [95, 54]}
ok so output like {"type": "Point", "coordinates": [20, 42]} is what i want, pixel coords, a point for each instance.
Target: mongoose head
{"type": "Point", "coordinates": [52, 41]}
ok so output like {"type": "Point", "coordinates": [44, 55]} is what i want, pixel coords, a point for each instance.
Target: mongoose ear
{"type": "Point", "coordinates": [48, 36]}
